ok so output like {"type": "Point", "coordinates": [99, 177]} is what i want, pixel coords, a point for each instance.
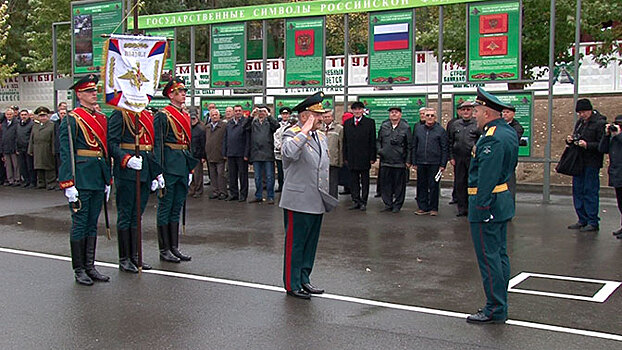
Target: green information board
{"type": "Point", "coordinates": [228, 53]}
{"type": "Point", "coordinates": [169, 65]}
{"type": "Point", "coordinates": [378, 107]}
{"type": "Point", "coordinates": [304, 52]}
{"type": "Point", "coordinates": [494, 39]}
{"type": "Point", "coordinates": [291, 102]}
{"type": "Point", "coordinates": [89, 20]}
{"type": "Point", "coordinates": [223, 102]}
{"type": "Point", "coordinates": [390, 48]}
{"type": "Point", "coordinates": [159, 102]}
{"type": "Point", "coordinates": [523, 102]}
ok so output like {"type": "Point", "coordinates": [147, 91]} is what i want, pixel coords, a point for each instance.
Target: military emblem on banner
{"type": "Point", "coordinates": [133, 65]}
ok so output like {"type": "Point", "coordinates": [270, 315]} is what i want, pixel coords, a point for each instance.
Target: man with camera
{"type": "Point", "coordinates": [611, 143]}
{"type": "Point", "coordinates": [587, 134]}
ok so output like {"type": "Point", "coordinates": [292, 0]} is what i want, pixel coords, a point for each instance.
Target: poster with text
{"type": "Point", "coordinates": [222, 103]}
{"type": "Point", "coordinates": [304, 52]}
{"type": "Point", "coordinates": [228, 55]}
{"type": "Point", "coordinates": [493, 44]}
{"type": "Point", "coordinates": [378, 106]}
{"type": "Point", "coordinates": [390, 48]}
{"type": "Point", "coordinates": [89, 20]}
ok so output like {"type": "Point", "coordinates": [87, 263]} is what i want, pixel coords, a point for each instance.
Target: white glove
{"type": "Point", "coordinates": [189, 179]}
{"type": "Point", "coordinates": [160, 180]}
{"type": "Point", "coordinates": [72, 194]}
{"type": "Point", "coordinates": [107, 191]}
{"type": "Point", "coordinates": [154, 185]}
{"type": "Point", "coordinates": [135, 163]}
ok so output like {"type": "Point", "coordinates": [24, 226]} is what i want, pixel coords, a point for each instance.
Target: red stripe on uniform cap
{"type": "Point", "coordinates": [289, 242]}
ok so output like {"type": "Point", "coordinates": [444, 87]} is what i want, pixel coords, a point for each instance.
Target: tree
{"type": "Point", "coordinates": [39, 36]}
{"type": "Point", "coordinates": [6, 70]}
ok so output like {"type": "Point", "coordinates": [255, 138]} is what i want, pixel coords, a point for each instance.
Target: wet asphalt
{"type": "Point", "coordinates": [400, 259]}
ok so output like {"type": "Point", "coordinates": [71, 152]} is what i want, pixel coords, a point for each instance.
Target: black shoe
{"type": "Point", "coordinates": [278, 190]}
{"type": "Point", "coordinates": [363, 207]}
{"type": "Point", "coordinates": [270, 201]}
{"type": "Point", "coordinates": [134, 249]}
{"type": "Point", "coordinates": [77, 262]}
{"type": "Point", "coordinates": [145, 265]}
{"type": "Point", "coordinates": [213, 196]}
{"type": "Point", "coordinates": [242, 199]}
{"type": "Point", "coordinates": [395, 210]}
{"type": "Point", "coordinates": [174, 234]}
{"type": "Point", "coordinates": [453, 201]}
{"type": "Point", "coordinates": [26, 185]}
{"type": "Point", "coordinates": [576, 226]}
{"type": "Point", "coordinates": [462, 213]}
{"type": "Point", "coordinates": [355, 206]}
{"type": "Point", "coordinates": [164, 245]}
{"type": "Point", "coordinates": [309, 288]}
{"type": "Point", "coordinates": [126, 265]}
{"type": "Point", "coordinates": [618, 232]}
{"type": "Point", "coordinates": [345, 192]}
{"type": "Point", "coordinates": [377, 195]}
{"type": "Point", "coordinates": [222, 196]}
{"type": "Point", "coordinates": [480, 318]}
{"type": "Point", "coordinates": [232, 198]}
{"type": "Point", "coordinates": [589, 228]}
{"type": "Point", "coordinates": [302, 294]}
{"type": "Point", "coordinates": [91, 243]}
{"type": "Point", "coordinates": [124, 239]}
{"type": "Point", "coordinates": [256, 200]}
{"type": "Point", "coordinates": [386, 209]}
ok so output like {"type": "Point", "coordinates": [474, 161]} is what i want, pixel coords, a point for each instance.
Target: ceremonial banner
{"type": "Point", "coordinates": [378, 107]}
{"type": "Point", "coordinates": [391, 53]}
{"type": "Point", "coordinates": [493, 45]}
{"type": "Point", "coordinates": [228, 55]}
{"type": "Point", "coordinates": [132, 71]}
{"type": "Point", "coordinates": [304, 52]}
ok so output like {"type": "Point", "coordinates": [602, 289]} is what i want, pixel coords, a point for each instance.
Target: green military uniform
{"type": "Point", "coordinates": [41, 147]}
{"type": "Point", "coordinates": [121, 143]}
{"type": "Point", "coordinates": [172, 151]}
{"type": "Point", "coordinates": [92, 175]}
{"type": "Point", "coordinates": [490, 207]}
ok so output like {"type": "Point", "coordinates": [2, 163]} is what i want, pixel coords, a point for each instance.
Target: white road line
{"type": "Point", "coordinates": [526, 324]}
{"type": "Point", "coordinates": [600, 296]}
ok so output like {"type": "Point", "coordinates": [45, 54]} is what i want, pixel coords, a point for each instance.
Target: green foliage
{"type": "Point", "coordinates": [6, 70]}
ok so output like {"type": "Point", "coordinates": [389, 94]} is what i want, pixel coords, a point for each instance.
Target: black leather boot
{"type": "Point", "coordinates": [173, 228]}
{"type": "Point", "coordinates": [89, 263]}
{"type": "Point", "coordinates": [77, 262]}
{"type": "Point", "coordinates": [125, 265]}
{"type": "Point", "coordinates": [165, 245]}
{"type": "Point", "coordinates": [134, 249]}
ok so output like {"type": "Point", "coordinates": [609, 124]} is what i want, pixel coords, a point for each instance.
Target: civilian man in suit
{"type": "Point", "coordinates": [359, 153]}
{"type": "Point", "coordinates": [233, 150]}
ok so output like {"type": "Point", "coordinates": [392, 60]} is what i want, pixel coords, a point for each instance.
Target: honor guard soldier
{"type": "Point", "coordinates": [305, 195]}
{"type": "Point", "coordinates": [172, 150]}
{"type": "Point", "coordinates": [84, 175]}
{"type": "Point", "coordinates": [493, 162]}
{"type": "Point", "coordinates": [121, 142]}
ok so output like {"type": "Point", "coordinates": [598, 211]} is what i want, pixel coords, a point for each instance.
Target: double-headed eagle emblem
{"type": "Point", "coordinates": [135, 76]}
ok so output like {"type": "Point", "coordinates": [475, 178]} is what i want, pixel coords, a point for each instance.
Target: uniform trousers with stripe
{"type": "Point", "coordinates": [84, 222]}
{"type": "Point", "coordinates": [169, 205]}
{"type": "Point", "coordinates": [302, 231]}
{"type": "Point", "coordinates": [126, 202]}
{"type": "Point", "coordinates": [490, 242]}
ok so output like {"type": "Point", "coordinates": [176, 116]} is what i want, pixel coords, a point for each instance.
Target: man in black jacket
{"type": "Point", "coordinates": [611, 143]}
{"type": "Point", "coordinates": [393, 144]}
{"type": "Point", "coordinates": [359, 153]}
{"type": "Point", "coordinates": [9, 150]}
{"type": "Point", "coordinates": [198, 151]}
{"type": "Point", "coordinates": [233, 149]}
{"type": "Point", "coordinates": [429, 156]}
{"type": "Point", "coordinates": [26, 161]}
{"type": "Point", "coordinates": [260, 150]}
{"type": "Point", "coordinates": [587, 134]}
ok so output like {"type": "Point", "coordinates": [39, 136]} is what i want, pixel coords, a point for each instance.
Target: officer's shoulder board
{"type": "Point", "coordinates": [295, 129]}
{"type": "Point", "coordinates": [491, 131]}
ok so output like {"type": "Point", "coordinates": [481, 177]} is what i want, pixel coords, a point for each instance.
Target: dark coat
{"type": "Point", "coordinates": [519, 128]}
{"type": "Point", "coordinates": [235, 139]}
{"type": "Point", "coordinates": [613, 146]}
{"type": "Point", "coordinates": [214, 140]}
{"type": "Point", "coordinates": [359, 143]}
{"type": "Point", "coordinates": [591, 131]}
{"type": "Point", "coordinates": [261, 146]}
{"type": "Point", "coordinates": [24, 128]}
{"type": "Point", "coordinates": [394, 144]}
{"type": "Point", "coordinates": [198, 141]}
{"type": "Point", "coordinates": [9, 136]}
{"type": "Point", "coordinates": [462, 135]}
{"type": "Point", "coordinates": [430, 146]}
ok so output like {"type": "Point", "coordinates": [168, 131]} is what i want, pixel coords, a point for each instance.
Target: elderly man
{"type": "Point", "coordinates": [41, 148]}
{"type": "Point", "coordinates": [214, 136]}
{"type": "Point", "coordinates": [285, 113]}
{"type": "Point", "coordinates": [9, 149]}
{"type": "Point", "coordinates": [334, 136]}
{"type": "Point", "coordinates": [228, 114]}
{"type": "Point", "coordinates": [26, 169]}
{"type": "Point", "coordinates": [305, 195]}
{"type": "Point", "coordinates": [261, 150]}
{"type": "Point", "coordinates": [490, 204]}
{"type": "Point", "coordinates": [234, 151]}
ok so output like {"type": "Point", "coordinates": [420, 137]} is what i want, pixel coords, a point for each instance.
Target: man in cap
{"type": "Point", "coordinates": [284, 113]}
{"type": "Point", "coordinates": [121, 142]}
{"type": "Point", "coordinates": [305, 195]}
{"type": "Point", "coordinates": [508, 115]}
{"type": "Point", "coordinates": [41, 147]}
{"type": "Point", "coordinates": [490, 204]}
{"type": "Point", "coordinates": [587, 134]}
{"type": "Point", "coordinates": [84, 175]}
{"type": "Point", "coordinates": [172, 129]}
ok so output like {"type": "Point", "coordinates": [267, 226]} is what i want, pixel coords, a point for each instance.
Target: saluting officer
{"type": "Point", "coordinates": [173, 133]}
{"type": "Point", "coordinates": [491, 205]}
{"type": "Point", "coordinates": [84, 174]}
{"type": "Point", "coordinates": [305, 195]}
{"type": "Point", "coordinates": [121, 142]}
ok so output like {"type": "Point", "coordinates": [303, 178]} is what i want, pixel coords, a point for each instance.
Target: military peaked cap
{"type": "Point", "coordinates": [484, 98]}
{"type": "Point", "coordinates": [175, 84]}
{"type": "Point", "coordinates": [312, 103]}
{"type": "Point", "coordinates": [86, 83]}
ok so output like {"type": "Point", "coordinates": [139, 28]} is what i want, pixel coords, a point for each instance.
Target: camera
{"type": "Point", "coordinates": [613, 128]}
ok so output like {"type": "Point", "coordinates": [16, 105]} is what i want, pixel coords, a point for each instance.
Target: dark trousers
{"type": "Point", "coordinates": [619, 198]}
{"type": "Point", "coordinates": [126, 202]}
{"type": "Point", "coordinates": [196, 187]}
{"type": "Point", "coordinates": [490, 243]}
{"type": "Point", "coordinates": [302, 232]}
{"type": "Point", "coordinates": [333, 181]}
{"type": "Point", "coordinates": [585, 189]}
{"type": "Point", "coordinates": [461, 182]}
{"type": "Point", "coordinates": [84, 222]}
{"type": "Point", "coordinates": [393, 186]}
{"type": "Point", "coordinates": [344, 177]}
{"type": "Point", "coordinates": [279, 175]}
{"type": "Point", "coordinates": [427, 188]}
{"type": "Point", "coordinates": [26, 166]}
{"type": "Point", "coordinates": [379, 183]}
{"type": "Point", "coordinates": [238, 171]}
{"type": "Point", "coordinates": [359, 182]}
{"type": "Point", "coordinates": [169, 206]}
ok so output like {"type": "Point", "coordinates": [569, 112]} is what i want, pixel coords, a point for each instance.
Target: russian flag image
{"type": "Point", "coordinates": [391, 37]}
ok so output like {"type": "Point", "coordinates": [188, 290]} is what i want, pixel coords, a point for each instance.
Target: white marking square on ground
{"type": "Point", "coordinates": [599, 297]}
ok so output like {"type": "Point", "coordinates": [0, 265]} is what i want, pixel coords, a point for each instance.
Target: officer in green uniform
{"type": "Point", "coordinates": [495, 156]}
{"type": "Point", "coordinates": [172, 130]}
{"type": "Point", "coordinates": [84, 175]}
{"type": "Point", "coordinates": [121, 142]}
{"type": "Point", "coordinates": [305, 196]}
